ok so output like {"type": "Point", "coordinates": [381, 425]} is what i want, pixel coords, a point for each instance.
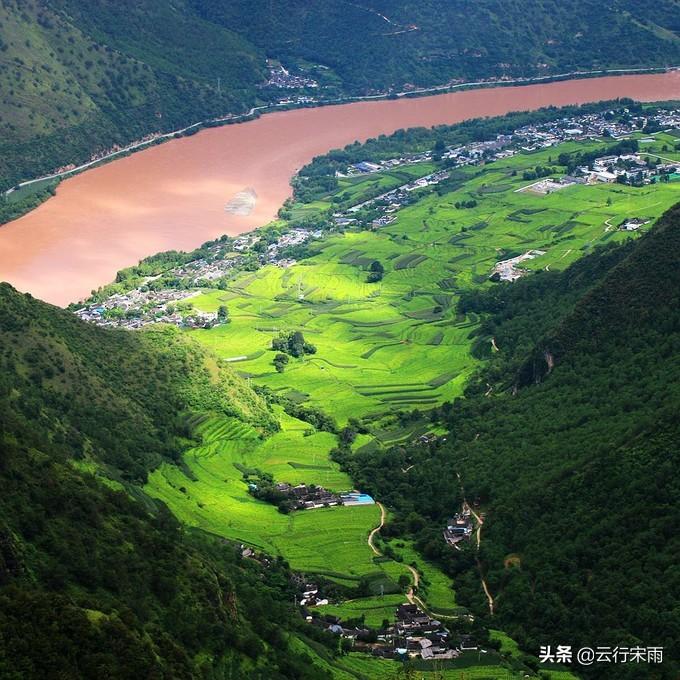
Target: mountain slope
{"type": "Point", "coordinates": [79, 77]}
{"type": "Point", "coordinates": [122, 398]}
{"type": "Point", "coordinates": [91, 583]}
{"type": "Point", "coordinates": [575, 470]}
{"type": "Point", "coordinates": [386, 43]}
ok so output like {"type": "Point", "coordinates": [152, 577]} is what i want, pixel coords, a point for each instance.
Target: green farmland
{"type": "Point", "coordinates": [399, 344]}
{"type": "Point", "coordinates": [382, 348]}
{"type": "Point", "coordinates": [212, 495]}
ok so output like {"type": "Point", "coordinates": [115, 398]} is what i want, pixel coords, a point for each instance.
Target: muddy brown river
{"type": "Point", "coordinates": [234, 178]}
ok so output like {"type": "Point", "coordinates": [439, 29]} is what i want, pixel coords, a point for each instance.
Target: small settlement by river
{"type": "Point", "coordinates": [216, 263]}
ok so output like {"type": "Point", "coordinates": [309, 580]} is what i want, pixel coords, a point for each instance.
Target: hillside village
{"type": "Point", "coordinates": [414, 634]}
{"type": "Point", "coordinates": [636, 169]}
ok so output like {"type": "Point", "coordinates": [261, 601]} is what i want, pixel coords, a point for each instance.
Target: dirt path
{"type": "Point", "coordinates": [371, 536]}
{"type": "Point", "coordinates": [478, 536]}
{"type": "Point", "coordinates": [486, 589]}
{"type": "Point", "coordinates": [410, 593]}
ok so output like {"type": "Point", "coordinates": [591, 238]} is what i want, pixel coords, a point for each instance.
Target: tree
{"type": "Point", "coordinates": [376, 272]}
{"type": "Point", "coordinates": [347, 436]}
{"type": "Point", "coordinates": [223, 314]}
{"type": "Point", "coordinates": [280, 362]}
{"type": "Point", "coordinates": [438, 150]}
{"type": "Point", "coordinates": [293, 344]}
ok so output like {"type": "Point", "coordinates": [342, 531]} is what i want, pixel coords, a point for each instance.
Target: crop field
{"type": "Point", "coordinates": [435, 587]}
{"type": "Point", "coordinates": [212, 495]}
{"type": "Point", "coordinates": [375, 610]}
{"type": "Point", "coordinates": [358, 188]}
{"type": "Point", "coordinates": [382, 348]}
{"type": "Point", "coordinates": [398, 344]}
{"type": "Point", "coordinates": [472, 666]}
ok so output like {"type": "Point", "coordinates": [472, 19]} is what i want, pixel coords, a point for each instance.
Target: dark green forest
{"type": "Point", "coordinates": [78, 77]}
{"type": "Point", "coordinates": [568, 442]}
{"type": "Point", "coordinates": [390, 43]}
{"type": "Point", "coordinates": [95, 579]}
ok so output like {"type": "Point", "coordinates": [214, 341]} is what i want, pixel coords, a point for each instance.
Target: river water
{"type": "Point", "coordinates": [234, 178]}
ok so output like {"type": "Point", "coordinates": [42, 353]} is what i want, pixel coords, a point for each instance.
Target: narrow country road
{"type": "Point", "coordinates": [410, 593]}
{"type": "Point", "coordinates": [371, 536]}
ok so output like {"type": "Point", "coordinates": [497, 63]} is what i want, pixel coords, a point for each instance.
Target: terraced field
{"type": "Point", "coordinates": [399, 344]}
{"type": "Point", "coordinates": [471, 666]}
{"type": "Point", "coordinates": [382, 348]}
{"type": "Point", "coordinates": [211, 494]}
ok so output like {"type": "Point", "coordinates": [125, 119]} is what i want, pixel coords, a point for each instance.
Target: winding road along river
{"type": "Point", "coordinates": [173, 196]}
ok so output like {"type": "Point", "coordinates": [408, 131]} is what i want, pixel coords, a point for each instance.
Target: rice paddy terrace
{"type": "Point", "coordinates": [382, 348]}
{"type": "Point", "coordinates": [400, 344]}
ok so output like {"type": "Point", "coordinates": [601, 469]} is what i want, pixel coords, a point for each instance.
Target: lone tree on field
{"type": "Point", "coordinates": [293, 343]}
{"type": "Point", "coordinates": [223, 314]}
{"type": "Point", "coordinates": [376, 272]}
{"type": "Point", "coordinates": [280, 361]}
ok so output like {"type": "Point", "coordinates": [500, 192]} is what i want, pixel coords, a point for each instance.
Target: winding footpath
{"type": "Point", "coordinates": [485, 587]}
{"type": "Point", "coordinates": [411, 592]}
{"type": "Point", "coordinates": [371, 536]}
{"type": "Point", "coordinates": [478, 536]}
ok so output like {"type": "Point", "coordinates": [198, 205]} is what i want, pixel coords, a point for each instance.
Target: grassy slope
{"type": "Point", "coordinates": [607, 458]}
{"type": "Point", "coordinates": [110, 378]}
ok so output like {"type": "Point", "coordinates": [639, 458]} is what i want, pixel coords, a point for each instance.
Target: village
{"type": "Point", "coordinates": [635, 169]}
{"type": "Point", "coordinates": [414, 634]}
{"type": "Point", "coordinates": [171, 304]}
{"type": "Point", "coordinates": [289, 497]}
{"type": "Point", "coordinates": [281, 77]}
{"type": "Point", "coordinates": [148, 304]}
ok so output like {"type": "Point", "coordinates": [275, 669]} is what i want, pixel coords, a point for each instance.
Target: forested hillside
{"type": "Point", "coordinates": [92, 582]}
{"type": "Point", "coordinates": [77, 77]}
{"type": "Point", "coordinates": [569, 447]}
{"type": "Point", "coordinates": [386, 43]}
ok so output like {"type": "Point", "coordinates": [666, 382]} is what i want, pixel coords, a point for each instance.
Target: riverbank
{"type": "Point", "coordinates": [173, 196]}
{"type": "Point", "coordinates": [230, 119]}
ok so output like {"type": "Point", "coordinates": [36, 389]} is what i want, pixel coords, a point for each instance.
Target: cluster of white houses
{"type": "Point", "coordinates": [146, 305]}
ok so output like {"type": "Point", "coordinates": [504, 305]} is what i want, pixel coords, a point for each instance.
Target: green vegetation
{"type": "Point", "coordinates": [425, 320]}
{"type": "Point", "coordinates": [571, 460]}
{"type": "Point", "coordinates": [388, 43]}
{"type": "Point", "coordinates": [211, 493]}
{"type": "Point", "coordinates": [95, 578]}
{"type": "Point", "coordinates": [381, 333]}
{"type": "Point", "coordinates": [363, 337]}
{"type": "Point", "coordinates": [78, 78]}
{"type": "Point", "coordinates": [408, 323]}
